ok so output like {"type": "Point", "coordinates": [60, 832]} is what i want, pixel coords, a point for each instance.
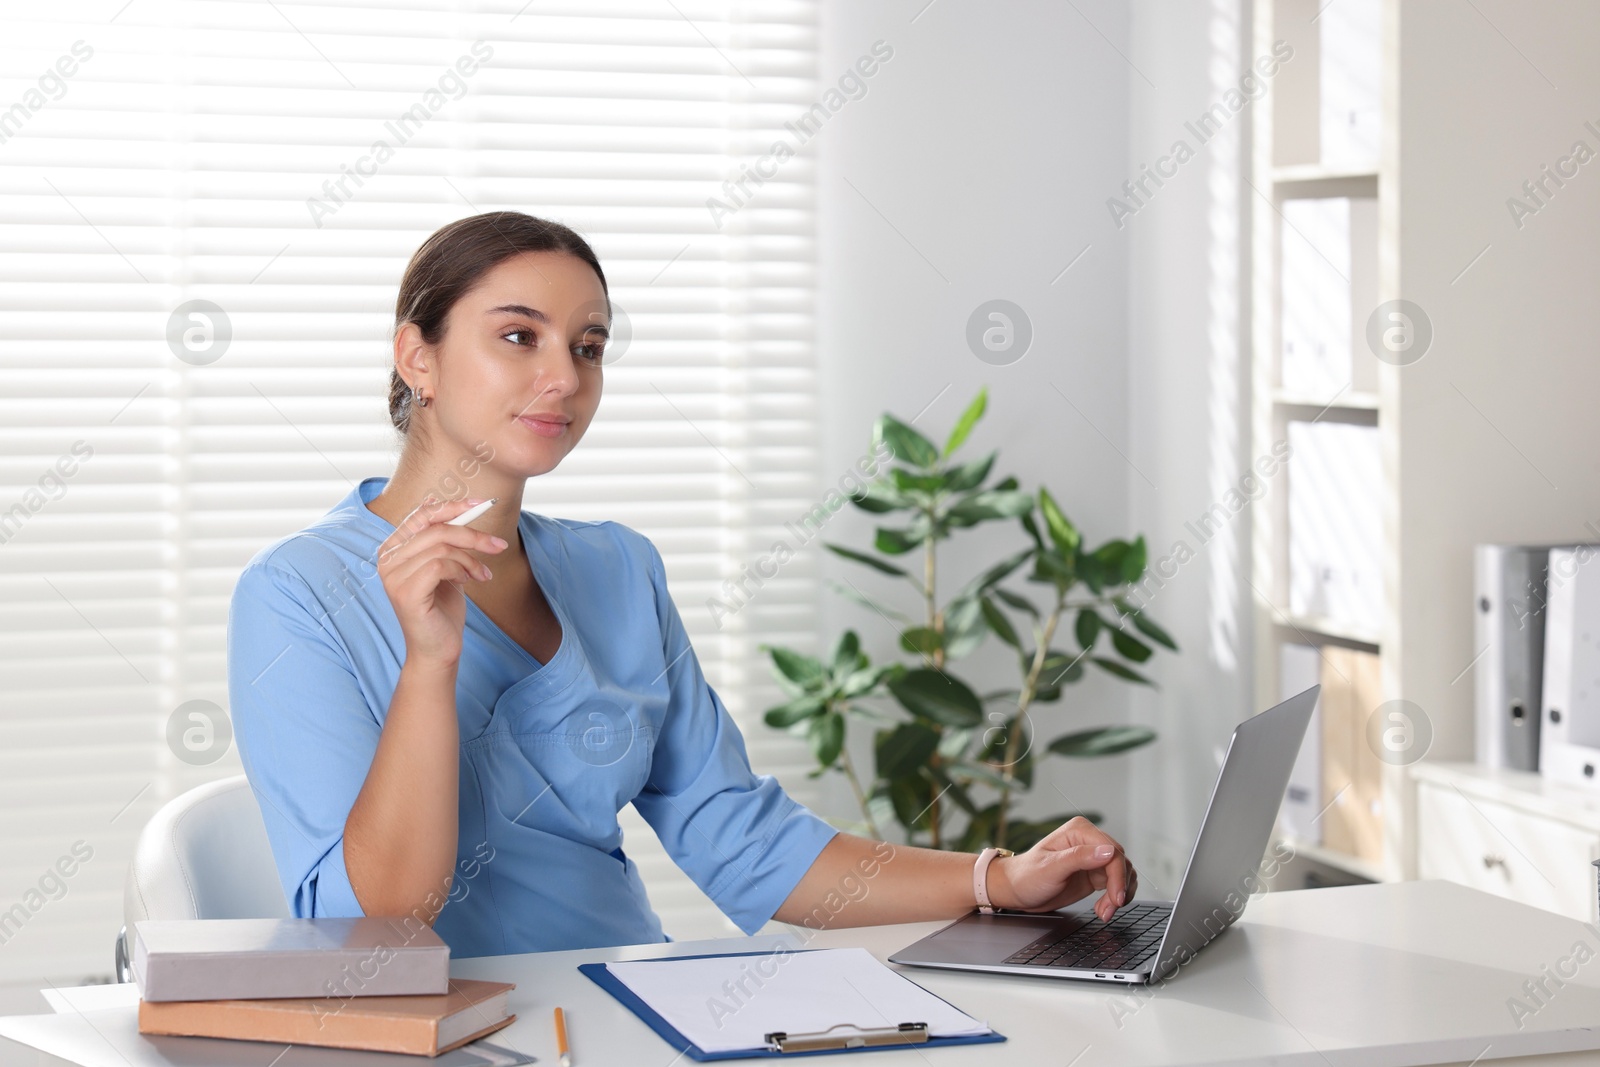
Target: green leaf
{"type": "Point", "coordinates": [949, 787]}
{"type": "Point", "coordinates": [1120, 671]}
{"type": "Point", "coordinates": [983, 773]}
{"type": "Point", "coordinates": [912, 797]}
{"type": "Point", "coordinates": [1130, 646]}
{"type": "Point", "coordinates": [921, 639]}
{"type": "Point", "coordinates": [996, 573]}
{"type": "Point", "coordinates": [827, 738]}
{"type": "Point", "coordinates": [846, 652]}
{"type": "Point", "coordinates": [905, 749]}
{"type": "Point", "coordinates": [953, 742]}
{"type": "Point", "coordinates": [1033, 531]}
{"type": "Point", "coordinates": [964, 627]}
{"type": "Point", "coordinates": [1089, 567]}
{"type": "Point", "coordinates": [862, 557]}
{"type": "Point", "coordinates": [802, 670]}
{"type": "Point", "coordinates": [1112, 559]}
{"type": "Point", "coordinates": [1088, 627]}
{"type": "Point", "coordinates": [1023, 770]}
{"type": "Point", "coordinates": [969, 475]}
{"type": "Point", "coordinates": [937, 696]}
{"type": "Point", "coordinates": [862, 681]}
{"type": "Point", "coordinates": [1060, 669]}
{"type": "Point", "coordinates": [906, 444]}
{"type": "Point", "coordinates": [989, 504]}
{"type": "Point", "coordinates": [1146, 626]}
{"type": "Point", "coordinates": [1000, 624]}
{"type": "Point", "coordinates": [1021, 603]}
{"type": "Point", "coordinates": [1102, 741]}
{"type": "Point", "coordinates": [969, 418]}
{"type": "Point", "coordinates": [796, 710]}
{"type": "Point", "coordinates": [909, 483]}
{"type": "Point", "coordinates": [1062, 532]}
{"type": "Point", "coordinates": [878, 498]}
{"type": "Point", "coordinates": [1133, 563]}
{"type": "Point", "coordinates": [1049, 568]}
{"type": "Point", "coordinates": [896, 542]}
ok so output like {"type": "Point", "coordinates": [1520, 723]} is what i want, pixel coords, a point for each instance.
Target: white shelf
{"type": "Point", "coordinates": [1321, 626]}
{"type": "Point", "coordinates": [1347, 401]}
{"type": "Point", "coordinates": [1304, 173]}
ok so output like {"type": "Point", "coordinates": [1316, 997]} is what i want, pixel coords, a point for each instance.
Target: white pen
{"type": "Point", "coordinates": [471, 513]}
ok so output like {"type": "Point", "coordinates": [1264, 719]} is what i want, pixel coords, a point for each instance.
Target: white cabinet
{"type": "Point", "coordinates": [1510, 833]}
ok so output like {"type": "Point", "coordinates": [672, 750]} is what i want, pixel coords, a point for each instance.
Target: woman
{"type": "Point", "coordinates": [443, 720]}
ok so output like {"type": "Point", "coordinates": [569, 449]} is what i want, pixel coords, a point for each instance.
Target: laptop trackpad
{"type": "Point", "coordinates": [1001, 935]}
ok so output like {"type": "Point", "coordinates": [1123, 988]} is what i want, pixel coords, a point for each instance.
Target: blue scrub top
{"type": "Point", "coordinates": [549, 753]}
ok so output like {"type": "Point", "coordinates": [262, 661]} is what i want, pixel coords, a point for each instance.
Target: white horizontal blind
{"type": "Point", "coordinates": [175, 162]}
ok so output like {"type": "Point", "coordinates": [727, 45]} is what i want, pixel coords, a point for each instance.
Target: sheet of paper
{"type": "Point", "coordinates": [727, 1003]}
{"type": "Point", "coordinates": [92, 997]}
{"type": "Point", "coordinates": [110, 1038]}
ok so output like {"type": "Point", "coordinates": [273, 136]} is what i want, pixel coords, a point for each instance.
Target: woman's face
{"type": "Point", "coordinates": [519, 364]}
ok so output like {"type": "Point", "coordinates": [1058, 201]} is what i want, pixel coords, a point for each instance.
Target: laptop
{"type": "Point", "coordinates": [1148, 941]}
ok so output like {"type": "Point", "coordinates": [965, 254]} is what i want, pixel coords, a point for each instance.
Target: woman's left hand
{"type": "Point", "coordinates": [1072, 861]}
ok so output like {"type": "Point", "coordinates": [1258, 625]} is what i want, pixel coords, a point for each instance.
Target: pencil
{"type": "Point", "coordinates": [561, 1038]}
{"type": "Point", "coordinates": [471, 513]}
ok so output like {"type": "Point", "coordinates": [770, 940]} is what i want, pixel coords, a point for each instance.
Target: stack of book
{"type": "Point", "coordinates": [374, 983]}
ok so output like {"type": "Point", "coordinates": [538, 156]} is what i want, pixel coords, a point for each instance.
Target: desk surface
{"type": "Point", "coordinates": [1427, 968]}
{"type": "Point", "coordinates": [1303, 977]}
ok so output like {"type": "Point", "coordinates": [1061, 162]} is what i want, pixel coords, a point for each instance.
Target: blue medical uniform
{"type": "Point", "coordinates": [549, 752]}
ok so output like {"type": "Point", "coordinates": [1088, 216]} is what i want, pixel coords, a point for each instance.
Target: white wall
{"type": "Point", "coordinates": [1498, 437]}
{"type": "Point", "coordinates": [1189, 419]}
{"type": "Point", "coordinates": [977, 167]}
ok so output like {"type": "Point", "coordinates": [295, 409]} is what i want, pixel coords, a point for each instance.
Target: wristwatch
{"type": "Point", "coordinates": [980, 877]}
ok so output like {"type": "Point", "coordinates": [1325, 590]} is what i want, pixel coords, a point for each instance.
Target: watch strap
{"type": "Point", "coordinates": [980, 877]}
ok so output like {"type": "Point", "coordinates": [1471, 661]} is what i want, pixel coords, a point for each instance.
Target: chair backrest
{"type": "Point", "coordinates": [205, 855]}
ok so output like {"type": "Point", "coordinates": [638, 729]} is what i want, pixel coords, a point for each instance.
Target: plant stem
{"type": "Point", "coordinates": [1024, 699]}
{"type": "Point", "coordinates": [861, 797]}
{"type": "Point", "coordinates": [936, 624]}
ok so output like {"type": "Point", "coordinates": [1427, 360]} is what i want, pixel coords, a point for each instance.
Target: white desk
{"type": "Point", "coordinates": [1305, 978]}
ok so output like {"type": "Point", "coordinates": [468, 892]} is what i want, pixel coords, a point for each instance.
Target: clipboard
{"type": "Point", "coordinates": [906, 1035]}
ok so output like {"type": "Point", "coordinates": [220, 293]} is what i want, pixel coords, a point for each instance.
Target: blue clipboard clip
{"type": "Point", "coordinates": [818, 1040]}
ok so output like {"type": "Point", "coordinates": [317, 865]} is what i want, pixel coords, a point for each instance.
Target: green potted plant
{"type": "Point", "coordinates": [949, 762]}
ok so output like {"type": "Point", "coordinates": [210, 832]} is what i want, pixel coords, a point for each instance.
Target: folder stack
{"type": "Point", "coordinates": [374, 983]}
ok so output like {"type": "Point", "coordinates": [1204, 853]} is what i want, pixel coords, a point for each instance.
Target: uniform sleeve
{"type": "Point", "coordinates": [743, 840]}
{"type": "Point", "coordinates": [306, 736]}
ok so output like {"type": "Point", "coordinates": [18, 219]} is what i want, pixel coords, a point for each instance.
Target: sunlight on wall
{"type": "Point", "coordinates": [1222, 337]}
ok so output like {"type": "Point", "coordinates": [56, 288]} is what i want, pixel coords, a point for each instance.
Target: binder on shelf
{"type": "Point", "coordinates": [1569, 749]}
{"type": "Point", "coordinates": [1336, 523]}
{"type": "Point", "coordinates": [1510, 582]}
{"type": "Point", "coordinates": [846, 1035]}
{"type": "Point", "coordinates": [1316, 301]}
{"type": "Point", "coordinates": [1350, 83]}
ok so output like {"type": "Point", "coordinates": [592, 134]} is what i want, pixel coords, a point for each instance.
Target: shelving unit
{"type": "Point", "coordinates": [1488, 435]}
{"type": "Point", "coordinates": [1287, 166]}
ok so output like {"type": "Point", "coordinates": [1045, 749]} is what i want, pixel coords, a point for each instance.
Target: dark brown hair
{"type": "Point", "coordinates": [452, 261]}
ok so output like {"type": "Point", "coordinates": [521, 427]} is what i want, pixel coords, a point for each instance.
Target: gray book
{"type": "Point", "coordinates": [245, 959]}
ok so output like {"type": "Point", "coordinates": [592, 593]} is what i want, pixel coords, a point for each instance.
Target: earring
{"type": "Point", "coordinates": [417, 398]}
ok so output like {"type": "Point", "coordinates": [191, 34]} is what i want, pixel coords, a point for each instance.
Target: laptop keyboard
{"type": "Point", "coordinates": [1131, 936]}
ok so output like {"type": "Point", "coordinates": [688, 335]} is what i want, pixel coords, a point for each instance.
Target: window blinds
{"type": "Point", "coordinates": [280, 161]}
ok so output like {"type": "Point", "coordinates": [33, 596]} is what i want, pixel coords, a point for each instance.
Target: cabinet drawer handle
{"type": "Point", "coordinates": [1491, 861]}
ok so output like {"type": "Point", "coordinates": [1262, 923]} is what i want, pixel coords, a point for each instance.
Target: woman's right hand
{"type": "Point", "coordinates": [423, 565]}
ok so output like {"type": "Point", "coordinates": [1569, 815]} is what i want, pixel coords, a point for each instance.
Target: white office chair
{"type": "Point", "coordinates": [204, 855]}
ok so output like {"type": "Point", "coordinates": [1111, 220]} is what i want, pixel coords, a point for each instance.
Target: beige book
{"type": "Point", "coordinates": [423, 1024]}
